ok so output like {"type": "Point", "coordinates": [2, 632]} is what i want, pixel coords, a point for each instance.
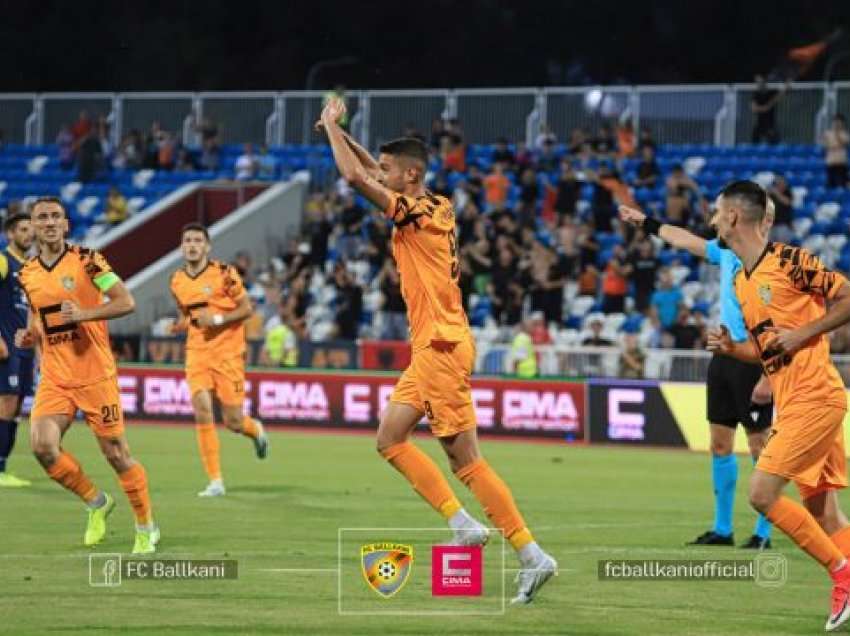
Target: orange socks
{"type": "Point", "coordinates": [249, 428]}
{"type": "Point", "coordinates": [842, 540]}
{"type": "Point", "coordinates": [135, 483]}
{"type": "Point", "coordinates": [208, 446]}
{"type": "Point", "coordinates": [497, 501]}
{"type": "Point", "coordinates": [66, 470]}
{"type": "Point", "coordinates": [423, 474]}
{"type": "Point", "coordinates": [799, 524]}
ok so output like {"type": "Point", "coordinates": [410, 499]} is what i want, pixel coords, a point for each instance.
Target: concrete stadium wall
{"type": "Point", "coordinates": [257, 227]}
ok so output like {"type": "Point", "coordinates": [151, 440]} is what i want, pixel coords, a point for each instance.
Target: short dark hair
{"type": "Point", "coordinates": [410, 147]}
{"type": "Point", "coordinates": [49, 199]}
{"type": "Point", "coordinates": [12, 221]}
{"type": "Point", "coordinates": [195, 227]}
{"type": "Point", "coordinates": [751, 196]}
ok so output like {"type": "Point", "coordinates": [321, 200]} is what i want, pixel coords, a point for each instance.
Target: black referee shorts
{"type": "Point", "coordinates": [730, 387]}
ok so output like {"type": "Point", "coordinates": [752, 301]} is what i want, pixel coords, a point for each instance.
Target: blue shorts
{"type": "Point", "coordinates": [16, 376]}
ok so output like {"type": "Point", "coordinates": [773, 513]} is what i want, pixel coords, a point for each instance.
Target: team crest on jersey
{"type": "Point", "coordinates": [386, 566]}
{"type": "Point", "coordinates": [68, 282]}
{"type": "Point", "coordinates": [765, 294]}
{"type": "Point", "coordinates": [207, 290]}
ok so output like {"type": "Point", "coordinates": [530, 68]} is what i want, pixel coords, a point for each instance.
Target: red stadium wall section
{"type": "Point", "coordinates": [527, 408]}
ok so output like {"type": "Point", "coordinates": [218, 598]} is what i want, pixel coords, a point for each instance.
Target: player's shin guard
{"type": "Point", "coordinates": [8, 432]}
{"type": "Point", "coordinates": [67, 472]}
{"type": "Point", "coordinates": [424, 475]}
{"type": "Point", "coordinates": [799, 524]}
{"type": "Point", "coordinates": [134, 481]}
{"type": "Point", "coordinates": [496, 499]}
{"type": "Point", "coordinates": [249, 427]}
{"type": "Point", "coordinates": [209, 448]}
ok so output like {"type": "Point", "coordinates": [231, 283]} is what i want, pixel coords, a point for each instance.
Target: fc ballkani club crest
{"type": "Point", "coordinates": [68, 282]}
{"type": "Point", "coordinates": [765, 294]}
{"type": "Point", "coordinates": [386, 566]}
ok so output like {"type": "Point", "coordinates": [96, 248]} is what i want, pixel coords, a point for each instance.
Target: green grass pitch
{"type": "Point", "coordinates": [584, 504]}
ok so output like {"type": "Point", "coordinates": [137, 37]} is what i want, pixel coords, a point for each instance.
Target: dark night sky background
{"type": "Point", "coordinates": [216, 45]}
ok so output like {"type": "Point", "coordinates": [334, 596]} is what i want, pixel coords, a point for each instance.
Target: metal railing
{"type": "Point", "coordinates": [712, 113]}
{"type": "Point", "coordinates": [680, 365]}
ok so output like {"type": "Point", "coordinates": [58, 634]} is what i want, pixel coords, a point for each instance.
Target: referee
{"type": "Point", "coordinates": [738, 392]}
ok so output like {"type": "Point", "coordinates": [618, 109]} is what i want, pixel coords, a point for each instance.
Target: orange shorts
{"type": "Point", "coordinates": [437, 384]}
{"type": "Point", "coordinates": [807, 447]}
{"type": "Point", "coordinates": [206, 372]}
{"type": "Point", "coordinates": [100, 403]}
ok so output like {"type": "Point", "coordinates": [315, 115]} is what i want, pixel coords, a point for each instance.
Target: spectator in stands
{"type": "Point", "coordinates": [595, 338]}
{"type": "Point", "coordinates": [348, 244]}
{"type": "Point", "coordinates": [646, 139]}
{"type": "Point", "coordinates": [244, 264]}
{"type": "Point", "coordinates": [116, 207]}
{"type": "Point", "coordinates": [502, 296]}
{"type": "Point", "coordinates": [280, 346]}
{"type": "Point", "coordinates": [529, 193]}
{"type": "Point", "coordinates": [184, 161]}
{"type": "Point", "coordinates": [166, 153]}
{"type": "Point", "coordinates": [438, 131]}
{"type": "Point", "coordinates": [89, 157]}
{"type": "Point", "coordinates": [578, 138]}
{"type": "Point", "coordinates": [568, 191]}
{"type": "Point", "coordinates": [453, 151]}
{"type": "Point", "coordinates": [496, 186]}
{"type": "Point", "coordinates": [545, 137]}
{"type": "Point", "coordinates": [524, 157]}
{"type": "Point", "coordinates": [603, 145]}
{"type": "Point", "coordinates": [588, 280]}
{"type": "Point", "coordinates": [502, 154]}
{"type": "Point", "coordinates": [151, 147]}
{"type": "Point", "coordinates": [783, 199]}
{"type": "Point", "coordinates": [547, 159]}
{"type": "Point", "coordinates": [318, 229]}
{"type": "Point", "coordinates": [615, 282]}
{"type": "Point", "coordinates": [394, 310]}
{"type": "Point", "coordinates": [680, 188]}
{"type": "Point", "coordinates": [210, 157]}
{"type": "Point", "coordinates": [103, 137]}
{"type": "Point", "coordinates": [81, 128]}
{"type": "Point", "coordinates": [473, 185]}
{"type": "Point", "coordinates": [763, 106]}
{"type": "Point", "coordinates": [295, 303]}
{"type": "Point", "coordinates": [129, 152]}
{"type": "Point", "coordinates": [246, 164]}
{"type": "Point", "coordinates": [835, 140]}
{"type": "Point", "coordinates": [65, 143]}
{"type": "Point", "coordinates": [539, 331]}
{"type": "Point", "coordinates": [602, 202]}
{"type": "Point", "coordinates": [625, 139]}
{"type": "Point", "coordinates": [266, 164]}
{"type": "Point", "coordinates": [644, 267]}
{"type": "Point", "coordinates": [632, 358]}
{"type": "Point", "coordinates": [686, 332]}
{"type": "Point", "coordinates": [377, 247]}
{"type": "Point", "coordinates": [648, 170]}
{"type": "Point", "coordinates": [665, 301]}
{"type": "Point", "coordinates": [349, 303]}
{"type": "Point", "coordinates": [549, 271]}
{"type": "Point", "coordinates": [208, 130]}
{"type": "Point", "coordinates": [587, 244]}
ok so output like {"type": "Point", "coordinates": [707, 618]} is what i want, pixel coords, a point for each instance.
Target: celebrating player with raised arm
{"type": "Point", "coordinates": [437, 382]}
{"type": "Point", "coordinates": [66, 286]}
{"type": "Point", "coordinates": [214, 306]}
{"type": "Point", "coordinates": [736, 391]}
{"type": "Point", "coordinates": [783, 292]}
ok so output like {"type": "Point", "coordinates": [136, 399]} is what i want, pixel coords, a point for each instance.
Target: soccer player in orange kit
{"type": "Point", "coordinates": [214, 305]}
{"type": "Point", "coordinates": [66, 286]}
{"type": "Point", "coordinates": [783, 292]}
{"type": "Point", "coordinates": [437, 382]}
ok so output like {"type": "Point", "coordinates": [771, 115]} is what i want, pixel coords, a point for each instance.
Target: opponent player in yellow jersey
{"type": "Point", "coordinates": [437, 382]}
{"type": "Point", "coordinates": [783, 291]}
{"type": "Point", "coordinates": [66, 286]}
{"type": "Point", "coordinates": [214, 305]}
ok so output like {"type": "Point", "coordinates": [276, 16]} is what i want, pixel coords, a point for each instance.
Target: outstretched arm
{"type": "Point", "coordinates": [350, 167]}
{"type": "Point", "coordinates": [676, 236]}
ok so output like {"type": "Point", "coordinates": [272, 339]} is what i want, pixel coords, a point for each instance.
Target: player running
{"type": "Point", "coordinates": [66, 286]}
{"type": "Point", "coordinates": [15, 364]}
{"type": "Point", "coordinates": [214, 305]}
{"type": "Point", "coordinates": [737, 392]}
{"type": "Point", "coordinates": [437, 382]}
{"type": "Point", "coordinates": [783, 292]}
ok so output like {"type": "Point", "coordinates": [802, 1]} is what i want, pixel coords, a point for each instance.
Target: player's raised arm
{"type": "Point", "coordinates": [366, 160]}
{"type": "Point", "coordinates": [676, 236]}
{"type": "Point", "coordinates": [349, 166]}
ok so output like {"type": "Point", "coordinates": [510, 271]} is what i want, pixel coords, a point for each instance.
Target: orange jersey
{"type": "Point", "coordinates": [788, 288]}
{"type": "Point", "coordinates": [425, 252]}
{"type": "Point", "coordinates": [72, 354]}
{"type": "Point", "coordinates": [217, 289]}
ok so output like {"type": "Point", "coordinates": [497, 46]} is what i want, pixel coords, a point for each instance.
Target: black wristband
{"type": "Point", "coordinates": [651, 226]}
